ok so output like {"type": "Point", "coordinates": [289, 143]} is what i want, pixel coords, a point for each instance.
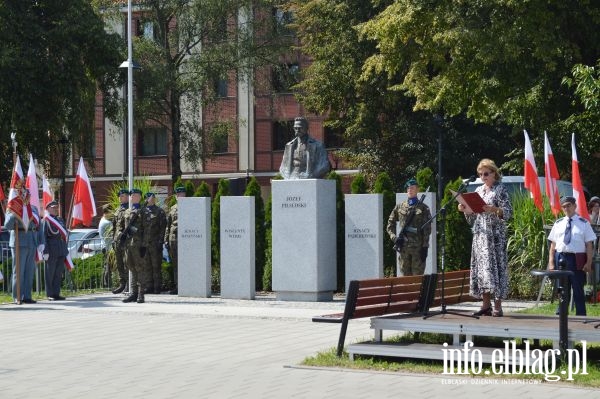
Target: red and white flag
{"type": "Point", "coordinates": [84, 207]}
{"type": "Point", "coordinates": [47, 195]}
{"type": "Point", "coordinates": [551, 177]}
{"type": "Point", "coordinates": [69, 263]}
{"type": "Point", "coordinates": [31, 184]}
{"type": "Point", "coordinates": [577, 186]}
{"type": "Point", "coordinates": [15, 195]}
{"type": "Point", "coordinates": [532, 183]}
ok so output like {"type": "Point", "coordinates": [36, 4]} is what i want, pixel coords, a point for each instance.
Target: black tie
{"type": "Point", "coordinates": [567, 238]}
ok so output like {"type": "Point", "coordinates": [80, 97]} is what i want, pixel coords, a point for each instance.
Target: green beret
{"type": "Point", "coordinates": [135, 191]}
{"type": "Point", "coordinates": [411, 182]}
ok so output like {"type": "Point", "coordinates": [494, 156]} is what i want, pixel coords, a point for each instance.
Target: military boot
{"type": "Point", "coordinates": [119, 289]}
{"type": "Point", "coordinates": [140, 296]}
{"type": "Point", "coordinates": [131, 298]}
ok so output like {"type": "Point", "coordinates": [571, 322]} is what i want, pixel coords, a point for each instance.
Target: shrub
{"type": "Point", "coordinates": [359, 184]}
{"type": "Point", "coordinates": [383, 185]}
{"type": "Point", "coordinates": [340, 230]}
{"type": "Point", "coordinates": [458, 233]}
{"type": "Point", "coordinates": [527, 246]}
{"type": "Point", "coordinates": [253, 189]}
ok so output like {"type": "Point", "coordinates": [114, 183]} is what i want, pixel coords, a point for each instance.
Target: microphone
{"type": "Point", "coordinates": [464, 185]}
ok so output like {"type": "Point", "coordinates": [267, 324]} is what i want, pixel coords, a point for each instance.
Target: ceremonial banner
{"type": "Point", "coordinates": [15, 196]}
{"type": "Point", "coordinates": [577, 186]}
{"type": "Point", "coordinates": [47, 195]}
{"type": "Point", "coordinates": [551, 177]}
{"type": "Point", "coordinates": [31, 184]}
{"type": "Point", "coordinates": [532, 183]}
{"type": "Point", "coordinates": [84, 207]}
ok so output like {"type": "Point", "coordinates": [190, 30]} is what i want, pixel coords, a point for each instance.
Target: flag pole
{"type": "Point", "coordinates": [13, 137]}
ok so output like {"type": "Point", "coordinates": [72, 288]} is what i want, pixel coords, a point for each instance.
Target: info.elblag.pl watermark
{"type": "Point", "coordinates": [511, 361]}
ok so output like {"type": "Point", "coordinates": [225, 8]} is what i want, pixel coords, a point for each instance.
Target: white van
{"type": "Point", "coordinates": [516, 184]}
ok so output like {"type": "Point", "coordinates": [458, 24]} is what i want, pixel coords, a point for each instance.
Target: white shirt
{"type": "Point", "coordinates": [581, 232]}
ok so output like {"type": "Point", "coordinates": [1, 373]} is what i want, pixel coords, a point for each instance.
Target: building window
{"type": "Point", "coordinates": [333, 137]}
{"type": "Point", "coordinates": [220, 87]}
{"type": "Point", "coordinates": [282, 21]}
{"type": "Point", "coordinates": [220, 142]}
{"type": "Point", "coordinates": [153, 141]}
{"type": "Point", "coordinates": [285, 76]}
{"type": "Point", "coordinates": [283, 132]}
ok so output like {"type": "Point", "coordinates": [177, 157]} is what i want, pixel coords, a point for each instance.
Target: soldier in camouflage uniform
{"type": "Point", "coordinates": [415, 241]}
{"type": "Point", "coordinates": [171, 235]}
{"type": "Point", "coordinates": [119, 250]}
{"type": "Point", "coordinates": [155, 221]}
{"type": "Point", "coordinates": [132, 239]}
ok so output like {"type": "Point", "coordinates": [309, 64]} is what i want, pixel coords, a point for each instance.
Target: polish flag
{"type": "Point", "coordinates": [47, 195]}
{"type": "Point", "coordinates": [31, 184]}
{"type": "Point", "coordinates": [16, 194]}
{"type": "Point", "coordinates": [84, 207]}
{"type": "Point", "coordinates": [577, 186]}
{"type": "Point", "coordinates": [69, 263]}
{"type": "Point", "coordinates": [551, 177]}
{"type": "Point", "coordinates": [532, 183]}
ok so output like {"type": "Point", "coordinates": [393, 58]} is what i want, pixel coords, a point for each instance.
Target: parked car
{"type": "Point", "coordinates": [79, 238]}
{"type": "Point", "coordinates": [516, 184]}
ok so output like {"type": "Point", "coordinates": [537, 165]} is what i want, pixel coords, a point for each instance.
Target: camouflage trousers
{"type": "Point", "coordinates": [154, 260]}
{"type": "Point", "coordinates": [139, 268]}
{"type": "Point", "coordinates": [410, 263]}
{"type": "Point", "coordinates": [173, 256]}
{"type": "Point", "coordinates": [120, 263]}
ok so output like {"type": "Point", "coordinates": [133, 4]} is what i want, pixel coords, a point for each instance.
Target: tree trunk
{"type": "Point", "coordinates": [175, 136]}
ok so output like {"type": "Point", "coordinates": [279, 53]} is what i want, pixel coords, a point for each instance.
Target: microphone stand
{"type": "Point", "coordinates": [442, 212]}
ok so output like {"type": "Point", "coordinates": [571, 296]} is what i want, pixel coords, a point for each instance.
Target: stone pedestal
{"type": "Point", "coordinates": [237, 233]}
{"type": "Point", "coordinates": [431, 262]}
{"type": "Point", "coordinates": [304, 239]}
{"type": "Point", "coordinates": [193, 246]}
{"type": "Point", "coordinates": [364, 236]}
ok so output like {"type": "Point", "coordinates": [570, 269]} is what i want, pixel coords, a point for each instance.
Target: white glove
{"type": "Point", "coordinates": [41, 248]}
{"type": "Point", "coordinates": [46, 256]}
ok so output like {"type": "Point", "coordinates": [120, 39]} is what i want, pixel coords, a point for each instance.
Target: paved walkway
{"type": "Point", "coordinates": [170, 347]}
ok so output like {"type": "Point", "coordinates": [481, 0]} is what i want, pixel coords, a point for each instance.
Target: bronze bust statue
{"type": "Point", "coordinates": [304, 157]}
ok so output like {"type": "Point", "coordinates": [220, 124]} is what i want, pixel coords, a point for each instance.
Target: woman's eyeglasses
{"type": "Point", "coordinates": [484, 174]}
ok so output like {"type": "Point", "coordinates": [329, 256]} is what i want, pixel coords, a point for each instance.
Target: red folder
{"type": "Point", "coordinates": [472, 201]}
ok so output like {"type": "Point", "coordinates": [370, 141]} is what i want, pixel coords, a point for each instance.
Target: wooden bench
{"type": "Point", "coordinates": [408, 295]}
{"type": "Point", "coordinates": [456, 288]}
{"type": "Point", "coordinates": [378, 297]}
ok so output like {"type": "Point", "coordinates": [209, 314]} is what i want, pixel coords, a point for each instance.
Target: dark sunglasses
{"type": "Point", "coordinates": [484, 174]}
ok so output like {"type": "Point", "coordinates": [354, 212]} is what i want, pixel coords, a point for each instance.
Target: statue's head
{"type": "Point", "coordinates": [300, 126]}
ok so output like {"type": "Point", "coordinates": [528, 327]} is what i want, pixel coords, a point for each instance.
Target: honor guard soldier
{"type": "Point", "coordinates": [171, 235]}
{"type": "Point", "coordinates": [28, 241]}
{"type": "Point", "coordinates": [131, 239]}
{"type": "Point", "coordinates": [572, 246]}
{"type": "Point", "coordinates": [155, 221]}
{"type": "Point", "coordinates": [413, 240]}
{"type": "Point", "coordinates": [119, 250]}
{"type": "Point", "coordinates": [55, 250]}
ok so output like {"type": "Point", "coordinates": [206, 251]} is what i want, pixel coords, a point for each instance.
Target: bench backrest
{"type": "Point", "coordinates": [456, 289]}
{"type": "Point", "coordinates": [377, 297]}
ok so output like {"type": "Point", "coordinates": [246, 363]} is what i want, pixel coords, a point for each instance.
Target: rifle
{"type": "Point", "coordinates": [401, 238]}
{"type": "Point", "coordinates": [129, 230]}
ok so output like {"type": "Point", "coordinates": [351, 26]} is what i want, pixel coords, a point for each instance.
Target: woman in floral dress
{"type": "Point", "coordinates": [489, 263]}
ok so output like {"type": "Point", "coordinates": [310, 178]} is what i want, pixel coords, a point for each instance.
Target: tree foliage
{"type": "Point", "coordinates": [54, 57]}
{"type": "Point", "coordinates": [383, 131]}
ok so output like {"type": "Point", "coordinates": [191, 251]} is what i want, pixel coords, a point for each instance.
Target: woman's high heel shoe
{"type": "Point", "coordinates": [483, 312]}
